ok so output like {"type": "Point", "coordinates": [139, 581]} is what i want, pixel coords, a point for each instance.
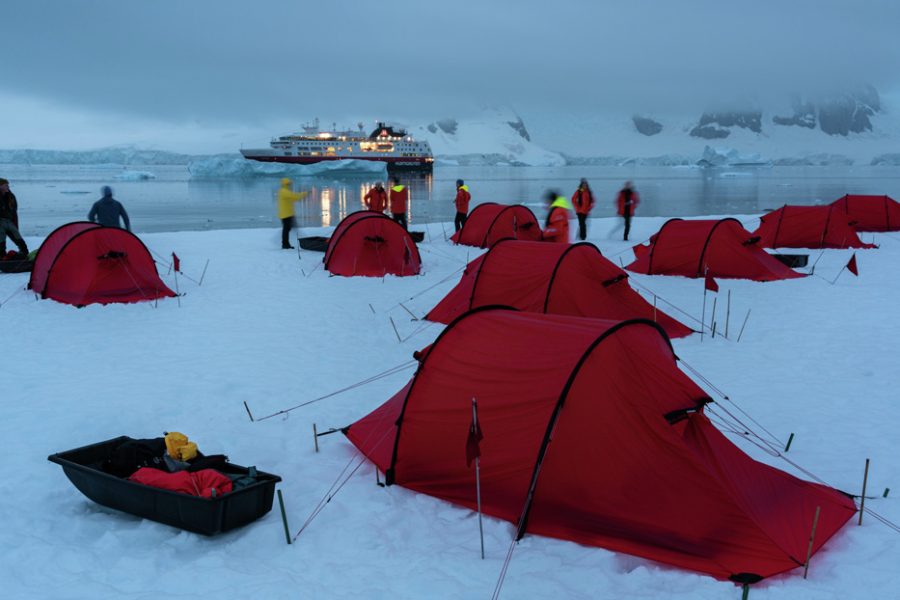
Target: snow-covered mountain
{"type": "Point", "coordinates": [858, 127]}
{"type": "Point", "coordinates": [497, 136]}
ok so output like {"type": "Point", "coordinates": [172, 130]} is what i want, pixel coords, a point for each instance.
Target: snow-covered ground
{"type": "Point", "coordinates": [815, 359]}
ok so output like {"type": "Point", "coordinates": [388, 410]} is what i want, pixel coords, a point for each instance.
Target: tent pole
{"type": "Point", "coordinates": [812, 536]}
{"type": "Point", "coordinates": [654, 308]}
{"type": "Point", "coordinates": [862, 500]}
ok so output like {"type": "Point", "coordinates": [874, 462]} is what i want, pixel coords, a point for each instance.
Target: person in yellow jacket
{"type": "Point", "coordinates": [286, 199]}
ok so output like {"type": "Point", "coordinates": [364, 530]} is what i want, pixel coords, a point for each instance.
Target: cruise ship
{"type": "Point", "coordinates": [386, 144]}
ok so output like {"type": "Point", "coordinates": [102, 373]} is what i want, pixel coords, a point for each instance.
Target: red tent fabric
{"type": "Point", "coordinates": [371, 244]}
{"type": "Point", "coordinates": [592, 434]}
{"type": "Point", "coordinates": [721, 249]}
{"type": "Point", "coordinates": [85, 263]}
{"type": "Point", "coordinates": [558, 279]}
{"type": "Point", "coordinates": [491, 222]}
{"type": "Point", "coordinates": [870, 213]}
{"type": "Point", "coordinates": [807, 227]}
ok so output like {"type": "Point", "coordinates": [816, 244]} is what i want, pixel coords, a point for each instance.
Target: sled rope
{"type": "Point", "coordinates": [382, 375]}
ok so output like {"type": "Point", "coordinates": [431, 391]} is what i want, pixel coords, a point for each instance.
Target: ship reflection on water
{"type": "Point", "coordinates": [329, 202]}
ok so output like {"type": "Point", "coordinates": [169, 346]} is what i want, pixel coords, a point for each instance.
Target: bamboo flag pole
{"type": "Point", "coordinates": [703, 313]}
{"type": "Point", "coordinates": [478, 477]}
{"type": "Point", "coordinates": [712, 319]}
{"type": "Point", "coordinates": [727, 313]}
{"type": "Point", "coordinates": [862, 500]}
{"type": "Point", "coordinates": [812, 537]}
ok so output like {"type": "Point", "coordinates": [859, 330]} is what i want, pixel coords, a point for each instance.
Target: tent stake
{"type": "Point", "coordinates": [862, 500]}
{"type": "Point", "coordinates": [287, 532]}
{"type": "Point", "coordinates": [654, 308]}
{"type": "Point", "coordinates": [703, 314]}
{"type": "Point", "coordinates": [812, 536]}
{"type": "Point", "coordinates": [315, 437]}
{"type": "Point", "coordinates": [378, 478]}
{"type": "Point", "coordinates": [372, 308]}
{"type": "Point", "coordinates": [790, 439]}
{"type": "Point", "coordinates": [249, 414]}
{"type": "Point", "coordinates": [746, 591]}
{"type": "Point", "coordinates": [177, 293]}
{"type": "Point", "coordinates": [712, 319]}
{"type": "Point", "coordinates": [886, 492]}
{"type": "Point", "coordinates": [411, 313]}
{"type": "Point", "coordinates": [741, 332]}
{"type": "Point", "coordinates": [727, 313]}
{"type": "Point", "coordinates": [397, 333]}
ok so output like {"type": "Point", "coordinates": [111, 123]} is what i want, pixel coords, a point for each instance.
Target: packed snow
{"type": "Point", "coordinates": [271, 328]}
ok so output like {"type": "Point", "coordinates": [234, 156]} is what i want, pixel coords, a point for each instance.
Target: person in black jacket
{"type": "Point", "coordinates": [9, 219]}
{"type": "Point", "coordinates": [107, 210]}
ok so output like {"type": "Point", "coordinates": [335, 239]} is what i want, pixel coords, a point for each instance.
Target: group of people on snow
{"type": "Point", "coordinates": [396, 200]}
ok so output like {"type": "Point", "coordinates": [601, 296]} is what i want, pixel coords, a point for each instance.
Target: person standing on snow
{"type": "Point", "coordinates": [556, 228]}
{"type": "Point", "coordinates": [462, 204]}
{"type": "Point", "coordinates": [286, 199]}
{"type": "Point", "coordinates": [107, 210]}
{"type": "Point", "coordinates": [9, 220]}
{"type": "Point", "coordinates": [376, 198]}
{"type": "Point", "coordinates": [583, 199]}
{"type": "Point", "coordinates": [399, 199]}
{"type": "Point", "coordinates": [626, 203]}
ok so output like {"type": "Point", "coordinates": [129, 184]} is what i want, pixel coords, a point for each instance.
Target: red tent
{"type": "Point", "coordinates": [807, 227]}
{"type": "Point", "coordinates": [559, 279]}
{"type": "Point", "coordinates": [85, 263]}
{"type": "Point", "coordinates": [371, 244]}
{"type": "Point", "coordinates": [717, 248]}
{"type": "Point", "coordinates": [592, 434]}
{"type": "Point", "coordinates": [491, 222]}
{"type": "Point", "coordinates": [870, 213]}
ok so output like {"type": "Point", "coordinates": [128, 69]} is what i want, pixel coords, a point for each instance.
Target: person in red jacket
{"type": "Point", "coordinates": [626, 203]}
{"type": "Point", "coordinates": [462, 204]}
{"type": "Point", "coordinates": [556, 228]}
{"type": "Point", "coordinates": [583, 199]}
{"type": "Point", "coordinates": [376, 198]}
{"type": "Point", "coordinates": [399, 197]}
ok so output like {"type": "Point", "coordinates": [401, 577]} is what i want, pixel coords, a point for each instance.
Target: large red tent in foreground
{"type": "Point", "coordinates": [870, 213]}
{"type": "Point", "coordinates": [85, 263]}
{"type": "Point", "coordinates": [491, 222]}
{"type": "Point", "coordinates": [697, 248]}
{"type": "Point", "coordinates": [558, 279]}
{"type": "Point", "coordinates": [592, 434]}
{"type": "Point", "coordinates": [371, 244]}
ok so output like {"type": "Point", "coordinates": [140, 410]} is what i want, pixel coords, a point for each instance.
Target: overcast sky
{"type": "Point", "coordinates": [208, 75]}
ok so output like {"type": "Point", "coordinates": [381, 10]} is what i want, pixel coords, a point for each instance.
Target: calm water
{"type": "Point", "coordinates": [52, 195]}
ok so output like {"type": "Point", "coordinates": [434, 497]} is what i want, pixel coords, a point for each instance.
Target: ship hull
{"type": "Point", "coordinates": [394, 163]}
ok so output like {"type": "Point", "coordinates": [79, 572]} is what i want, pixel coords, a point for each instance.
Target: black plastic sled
{"type": "Point", "coordinates": [16, 265]}
{"type": "Point", "coordinates": [208, 516]}
{"type": "Point", "coordinates": [320, 244]}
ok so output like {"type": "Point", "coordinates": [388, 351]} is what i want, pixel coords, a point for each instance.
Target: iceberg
{"type": "Point", "coordinates": [243, 168]}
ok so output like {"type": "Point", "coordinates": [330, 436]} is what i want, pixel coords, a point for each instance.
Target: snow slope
{"type": "Point", "coordinates": [815, 359]}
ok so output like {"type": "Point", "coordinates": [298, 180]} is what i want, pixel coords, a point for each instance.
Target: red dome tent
{"type": "Point", "coordinates": [807, 227]}
{"type": "Point", "coordinates": [371, 244]}
{"type": "Point", "coordinates": [870, 213]}
{"type": "Point", "coordinates": [85, 263]}
{"type": "Point", "coordinates": [592, 434]}
{"type": "Point", "coordinates": [558, 279]}
{"type": "Point", "coordinates": [720, 248]}
{"type": "Point", "coordinates": [491, 222]}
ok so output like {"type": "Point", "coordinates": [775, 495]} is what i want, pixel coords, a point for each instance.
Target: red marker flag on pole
{"type": "Point", "coordinates": [176, 262]}
{"type": "Point", "coordinates": [710, 283]}
{"type": "Point", "coordinates": [473, 449]}
{"type": "Point", "coordinates": [851, 266]}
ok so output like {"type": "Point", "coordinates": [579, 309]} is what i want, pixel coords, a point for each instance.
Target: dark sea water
{"type": "Point", "coordinates": [50, 195]}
